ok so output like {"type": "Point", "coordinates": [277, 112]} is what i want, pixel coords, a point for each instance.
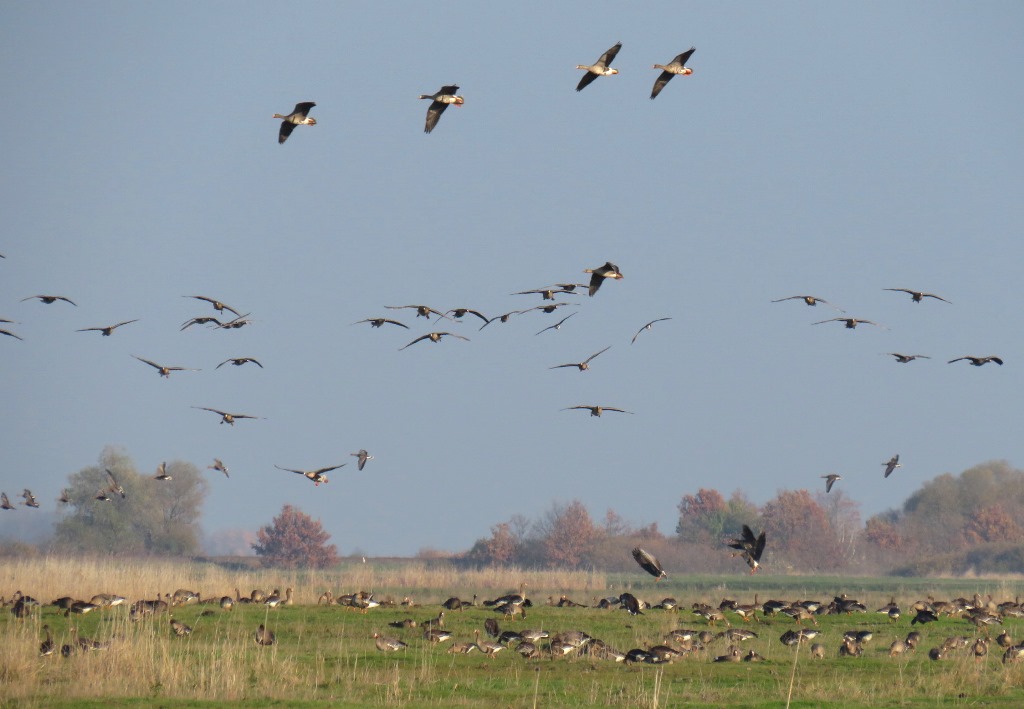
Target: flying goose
{"type": "Point", "coordinates": [904, 358]}
{"type": "Point", "coordinates": [978, 361]}
{"type": "Point", "coordinates": [809, 300]}
{"type": "Point", "coordinates": [584, 365]}
{"type": "Point", "coordinates": [238, 322]}
{"type": "Point", "coordinates": [219, 465]}
{"type": "Point", "coordinates": [550, 308]}
{"type": "Point", "coordinates": [422, 311]}
{"type": "Point", "coordinates": [916, 295]}
{"type": "Point", "coordinates": [298, 117]}
{"type": "Point", "coordinates": [646, 327]}
{"type": "Point", "coordinates": [557, 325]}
{"type": "Point", "coordinates": [239, 361]}
{"type": "Point", "coordinates": [65, 496]}
{"type": "Point", "coordinates": [459, 313]}
{"type": "Point", "coordinates": [265, 636]}
{"type": "Point", "coordinates": [217, 305]}
{"type": "Point", "coordinates": [108, 330]}
{"type": "Point", "coordinates": [433, 337]}
{"type": "Point", "coordinates": [5, 504]}
{"type": "Point", "coordinates": [600, 68]}
{"type": "Point", "coordinates": [163, 370]}
{"type": "Point", "coordinates": [440, 101]}
{"type": "Point", "coordinates": [317, 476]}
{"type": "Point", "coordinates": [608, 270]}
{"type": "Point", "coordinates": [675, 67]}
{"type": "Point", "coordinates": [851, 323]}
{"type": "Point", "coordinates": [892, 464]}
{"type": "Point", "coordinates": [501, 318]}
{"type": "Point", "coordinates": [830, 480]}
{"type": "Point", "coordinates": [547, 293]}
{"type": "Point", "coordinates": [48, 299]}
{"type": "Point", "coordinates": [597, 410]}
{"type": "Point", "coordinates": [11, 334]}
{"type": "Point", "coordinates": [226, 417]}
{"type": "Point", "coordinates": [30, 499]}
{"type": "Point", "coordinates": [202, 320]}
{"type": "Point", "coordinates": [363, 456]}
{"type": "Point", "coordinates": [161, 472]}
{"type": "Point", "coordinates": [750, 547]}
{"type": "Point", "coordinates": [649, 563]}
{"type": "Point", "coordinates": [114, 485]}
{"type": "Point", "coordinates": [377, 322]}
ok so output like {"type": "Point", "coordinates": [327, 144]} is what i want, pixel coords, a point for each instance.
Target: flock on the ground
{"type": "Point", "coordinates": [489, 639]}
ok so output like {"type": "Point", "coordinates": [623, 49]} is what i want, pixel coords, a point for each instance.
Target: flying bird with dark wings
{"type": "Point", "coordinates": [115, 486]}
{"type": "Point", "coordinates": [850, 323]}
{"type": "Point", "coordinates": [585, 364]}
{"type": "Point", "coordinates": [217, 305]}
{"type": "Point", "coordinates": [599, 68]}
{"type": "Point", "coordinates": [892, 464]}
{"type": "Point", "coordinates": [608, 270]}
{"type": "Point", "coordinates": [163, 370]}
{"type": "Point", "coordinates": [218, 464]}
{"type": "Point", "coordinates": [649, 563]}
{"type": "Point", "coordinates": [107, 330]}
{"type": "Point", "coordinates": [11, 334]}
{"type": "Point", "coordinates": [441, 100]}
{"type": "Point", "coordinates": [377, 322]}
{"type": "Point", "coordinates": [298, 117]}
{"type": "Point", "coordinates": [30, 499]}
{"type": "Point", "coordinates": [422, 311]}
{"type": "Point", "coordinates": [557, 325]}
{"type": "Point", "coordinates": [5, 504]}
{"type": "Point", "coordinates": [978, 361]}
{"type": "Point", "coordinates": [916, 295]}
{"type": "Point", "coordinates": [904, 358]}
{"type": "Point", "coordinates": [434, 337]}
{"type": "Point", "coordinates": [226, 417]}
{"type": "Point", "coordinates": [830, 480]}
{"type": "Point", "coordinates": [363, 456]}
{"type": "Point", "coordinates": [48, 299]}
{"type": "Point", "coordinates": [597, 410]}
{"type": "Point", "coordinates": [239, 361]}
{"type": "Point", "coordinates": [750, 547]}
{"type": "Point", "coordinates": [676, 67]}
{"type": "Point", "coordinates": [646, 327]}
{"type": "Point", "coordinates": [809, 300]}
{"type": "Point", "coordinates": [317, 476]}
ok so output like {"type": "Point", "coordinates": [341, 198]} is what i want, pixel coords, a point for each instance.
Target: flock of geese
{"type": "Point", "coordinates": [983, 614]}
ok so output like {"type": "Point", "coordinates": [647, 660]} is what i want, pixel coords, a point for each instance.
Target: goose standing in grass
{"type": "Point", "coordinates": [445, 97]}
{"type": "Point", "coordinates": [646, 327]}
{"type": "Point", "coordinates": [218, 465]}
{"type": "Point", "coordinates": [585, 364]}
{"type": "Point", "coordinates": [830, 480]}
{"type": "Point", "coordinates": [107, 330]}
{"type": "Point", "coordinates": [916, 295]}
{"type": "Point", "coordinates": [362, 456]}
{"type": "Point", "coordinates": [179, 628]}
{"type": "Point", "coordinates": [386, 644]}
{"type": "Point", "coordinates": [264, 636]}
{"type": "Point", "coordinates": [317, 476]}
{"type": "Point", "coordinates": [649, 563]}
{"type": "Point", "coordinates": [47, 646]}
{"type": "Point", "coordinates": [298, 117]}
{"type": "Point", "coordinates": [50, 299]}
{"type": "Point", "coordinates": [226, 417]}
{"type": "Point", "coordinates": [978, 361]}
{"type": "Point", "coordinates": [599, 68]}
{"type": "Point", "coordinates": [30, 499]}
{"type": "Point", "coordinates": [892, 464]}
{"type": "Point", "coordinates": [599, 274]}
{"type": "Point", "coordinates": [676, 67]}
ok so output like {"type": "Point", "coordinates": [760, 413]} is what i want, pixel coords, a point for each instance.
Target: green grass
{"type": "Point", "coordinates": [327, 655]}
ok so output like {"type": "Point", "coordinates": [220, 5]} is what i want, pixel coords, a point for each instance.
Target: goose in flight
{"type": "Point", "coordinates": [439, 102]}
{"type": "Point", "coordinates": [597, 410]}
{"type": "Point", "coordinates": [65, 497]}
{"type": "Point", "coordinates": [851, 323]}
{"type": "Point", "coordinates": [11, 334]}
{"type": "Point", "coordinates": [978, 361]}
{"type": "Point", "coordinates": [377, 322]}
{"type": "Point", "coordinates": [48, 299]}
{"type": "Point", "coordinates": [363, 456]}
{"type": "Point", "coordinates": [750, 547]}
{"type": "Point", "coordinates": [203, 320]}
{"type": "Point", "coordinates": [317, 476]}
{"type": "Point", "coordinates": [217, 305]}
{"type": "Point", "coordinates": [646, 327]}
{"type": "Point", "coordinates": [585, 364]}
{"type": "Point", "coordinates": [165, 371]}
{"type": "Point", "coordinates": [916, 295]}
{"type": "Point", "coordinates": [904, 358]}
{"type": "Point", "coordinates": [675, 67]}
{"type": "Point", "coordinates": [547, 293]}
{"type": "Point", "coordinates": [239, 361]}
{"type": "Point", "coordinates": [502, 318]}
{"type": "Point", "coordinates": [218, 464]}
{"type": "Point", "coordinates": [830, 480]}
{"type": "Point", "coordinates": [458, 314]}
{"type": "Point", "coordinates": [161, 472]}
{"type": "Point", "coordinates": [600, 68]}
{"type": "Point", "coordinates": [226, 417]}
{"type": "Point", "coordinates": [809, 300]}
{"type": "Point", "coordinates": [649, 563]}
{"type": "Point", "coordinates": [608, 270]}
{"type": "Point", "coordinates": [115, 486]}
{"type": "Point", "coordinates": [550, 308]}
{"type": "Point", "coordinates": [298, 117]}
{"type": "Point", "coordinates": [557, 325]}
{"type": "Point", "coordinates": [5, 504]}
{"type": "Point", "coordinates": [422, 311]}
{"type": "Point", "coordinates": [108, 330]}
{"type": "Point", "coordinates": [892, 464]}
{"type": "Point", "coordinates": [434, 337]}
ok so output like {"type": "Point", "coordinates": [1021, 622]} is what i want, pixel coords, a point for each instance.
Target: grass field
{"type": "Point", "coordinates": [326, 654]}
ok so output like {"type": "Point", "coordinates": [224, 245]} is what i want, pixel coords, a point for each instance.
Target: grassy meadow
{"type": "Point", "coordinates": [326, 654]}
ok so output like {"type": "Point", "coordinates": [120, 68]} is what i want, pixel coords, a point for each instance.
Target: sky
{"type": "Point", "coordinates": [830, 149]}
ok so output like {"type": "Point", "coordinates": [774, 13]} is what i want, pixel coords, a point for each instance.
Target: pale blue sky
{"type": "Point", "coordinates": [822, 148]}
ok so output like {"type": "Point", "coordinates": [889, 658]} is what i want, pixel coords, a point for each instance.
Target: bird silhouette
{"type": "Point", "coordinates": [892, 464]}
{"type": "Point", "coordinates": [676, 67]}
{"type": "Point", "coordinates": [317, 476]}
{"type": "Point", "coordinates": [161, 472]}
{"type": "Point", "coordinates": [11, 334]}
{"type": "Point", "coordinates": [115, 486]}
{"type": "Point", "coordinates": [557, 325]}
{"type": "Point", "coordinates": [851, 323]}
{"type": "Point", "coordinates": [219, 306]}
{"type": "Point", "coordinates": [218, 464]}
{"type": "Point", "coordinates": [377, 322]}
{"type": "Point", "coordinates": [916, 295]}
{"type": "Point", "coordinates": [203, 320]}
{"type": "Point", "coordinates": [239, 361]}
{"type": "Point", "coordinates": [585, 364]}
{"type": "Point", "coordinates": [904, 358]}
{"type": "Point", "coordinates": [830, 480]}
{"type": "Point", "coordinates": [49, 299]}
{"type": "Point", "coordinates": [163, 370]}
{"type": "Point", "coordinates": [646, 327]}
{"type": "Point", "coordinates": [599, 274]}
{"type": "Point", "coordinates": [422, 311]}
{"type": "Point", "coordinates": [108, 330]}
{"type": "Point", "coordinates": [433, 337]}
{"type": "Point", "coordinates": [226, 417]}
{"type": "Point", "coordinates": [649, 563]}
{"type": "Point", "coordinates": [978, 361]}
{"type": "Point", "coordinates": [599, 68]}
{"type": "Point", "coordinates": [298, 117]}
{"type": "Point", "coordinates": [363, 456]}
{"type": "Point", "coordinates": [5, 504]}
{"type": "Point", "coordinates": [750, 547]}
{"type": "Point", "coordinates": [439, 102]}
{"type": "Point", "coordinates": [809, 300]}
{"type": "Point", "coordinates": [597, 410]}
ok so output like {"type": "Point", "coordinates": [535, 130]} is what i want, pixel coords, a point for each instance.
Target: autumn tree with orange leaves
{"type": "Point", "coordinates": [293, 539]}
